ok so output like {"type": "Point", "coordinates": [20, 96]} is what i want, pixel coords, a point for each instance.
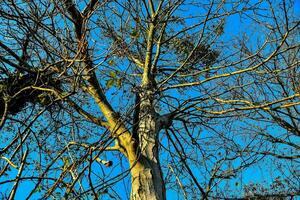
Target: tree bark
{"type": "Point", "coordinates": [147, 179]}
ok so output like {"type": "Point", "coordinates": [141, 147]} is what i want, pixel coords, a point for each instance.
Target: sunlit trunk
{"type": "Point", "coordinates": [147, 178]}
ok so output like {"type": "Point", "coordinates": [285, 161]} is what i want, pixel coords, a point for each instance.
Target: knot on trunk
{"type": "Point", "coordinates": [164, 121]}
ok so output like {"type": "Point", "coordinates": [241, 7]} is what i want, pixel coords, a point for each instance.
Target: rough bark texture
{"type": "Point", "coordinates": [147, 179]}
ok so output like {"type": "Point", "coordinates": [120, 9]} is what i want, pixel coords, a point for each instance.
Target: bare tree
{"type": "Point", "coordinates": [168, 93]}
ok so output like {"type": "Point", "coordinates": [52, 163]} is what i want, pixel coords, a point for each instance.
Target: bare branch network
{"type": "Point", "coordinates": [157, 99]}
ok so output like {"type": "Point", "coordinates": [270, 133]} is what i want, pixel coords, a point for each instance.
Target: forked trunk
{"type": "Point", "coordinates": [147, 179]}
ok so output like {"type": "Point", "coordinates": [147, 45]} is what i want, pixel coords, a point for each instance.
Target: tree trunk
{"type": "Point", "coordinates": [147, 179]}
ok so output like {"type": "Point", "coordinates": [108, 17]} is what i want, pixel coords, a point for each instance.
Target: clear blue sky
{"type": "Point", "coordinates": [233, 26]}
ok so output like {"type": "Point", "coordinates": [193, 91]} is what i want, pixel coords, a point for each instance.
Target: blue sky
{"type": "Point", "coordinates": [233, 26]}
